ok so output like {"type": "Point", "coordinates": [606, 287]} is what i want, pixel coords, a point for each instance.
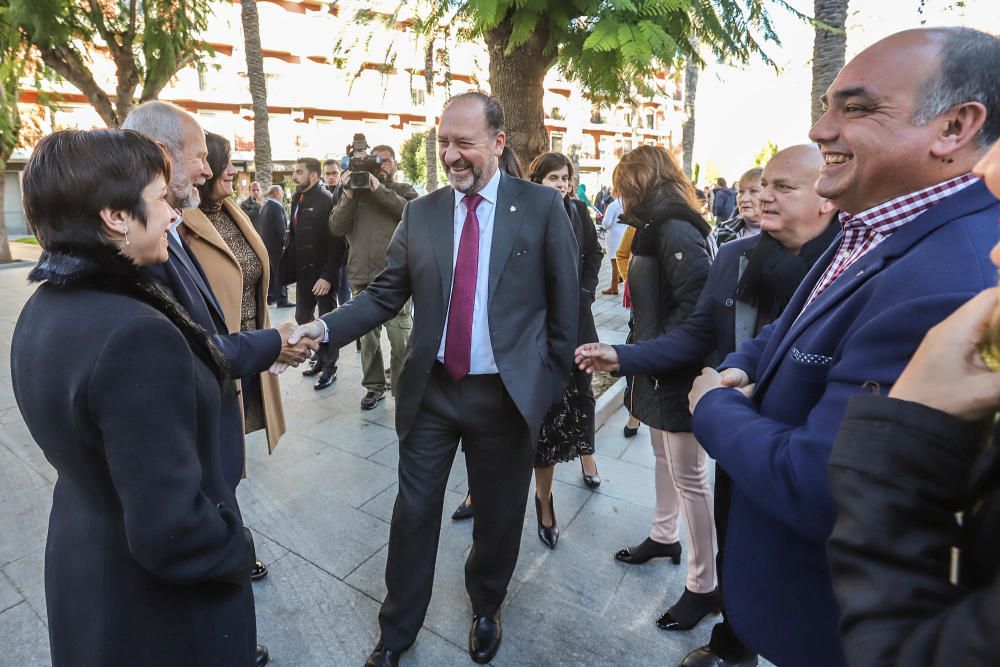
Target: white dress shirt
{"type": "Point", "coordinates": [481, 361]}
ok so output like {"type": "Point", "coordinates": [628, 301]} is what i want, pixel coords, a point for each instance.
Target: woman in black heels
{"type": "Point", "coordinates": [568, 431]}
{"type": "Point", "coordinates": [671, 256]}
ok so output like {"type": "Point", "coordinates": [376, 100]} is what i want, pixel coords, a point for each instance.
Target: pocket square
{"type": "Point", "coordinates": [810, 359]}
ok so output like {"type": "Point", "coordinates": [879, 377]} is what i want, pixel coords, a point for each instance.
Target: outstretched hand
{"type": "Point", "coordinates": [592, 357]}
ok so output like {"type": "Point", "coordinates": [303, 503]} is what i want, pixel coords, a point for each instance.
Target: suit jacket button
{"type": "Point", "coordinates": [729, 303]}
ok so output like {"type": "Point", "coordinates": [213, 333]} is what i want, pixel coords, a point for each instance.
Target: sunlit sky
{"type": "Point", "coordinates": [740, 109]}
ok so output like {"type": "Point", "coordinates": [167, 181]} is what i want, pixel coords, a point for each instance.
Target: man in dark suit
{"type": "Point", "coordinates": [491, 265]}
{"type": "Point", "coordinates": [903, 127]}
{"type": "Point", "coordinates": [318, 255]}
{"type": "Point", "coordinates": [272, 225]}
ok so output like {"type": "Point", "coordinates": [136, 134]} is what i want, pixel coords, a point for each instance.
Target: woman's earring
{"type": "Point", "coordinates": [125, 232]}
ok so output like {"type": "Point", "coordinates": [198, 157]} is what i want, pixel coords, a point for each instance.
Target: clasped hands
{"type": "Point", "coordinates": [293, 351]}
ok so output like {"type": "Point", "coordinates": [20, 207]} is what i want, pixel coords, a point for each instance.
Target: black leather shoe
{"type": "Point", "coordinates": [549, 535]}
{"type": "Point", "coordinates": [484, 638]}
{"type": "Point", "coordinates": [371, 399]}
{"type": "Point", "coordinates": [590, 481]}
{"type": "Point", "coordinates": [648, 550]}
{"type": "Point", "coordinates": [706, 657]}
{"type": "Point", "coordinates": [464, 511]}
{"type": "Point", "coordinates": [383, 657]}
{"type": "Point", "coordinates": [324, 380]}
{"type": "Point", "coordinates": [689, 610]}
{"type": "Point", "coordinates": [630, 432]}
{"type": "Point", "coordinates": [263, 657]}
{"type": "Point", "coordinates": [285, 304]}
{"type": "Point", "coordinates": [314, 369]}
{"type": "Point", "coordinates": [258, 572]}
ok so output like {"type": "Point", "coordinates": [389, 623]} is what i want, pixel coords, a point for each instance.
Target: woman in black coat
{"type": "Point", "coordinates": [918, 586]}
{"type": "Point", "coordinates": [671, 255]}
{"type": "Point", "coordinates": [568, 432]}
{"type": "Point", "coordinates": [146, 562]}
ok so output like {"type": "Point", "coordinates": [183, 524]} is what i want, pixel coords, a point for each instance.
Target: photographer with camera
{"type": "Point", "coordinates": [367, 215]}
{"type": "Point", "coordinates": [314, 255]}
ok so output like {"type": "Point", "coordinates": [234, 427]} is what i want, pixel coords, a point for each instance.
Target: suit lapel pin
{"type": "Point", "coordinates": [513, 208]}
{"type": "Point", "coordinates": [678, 256]}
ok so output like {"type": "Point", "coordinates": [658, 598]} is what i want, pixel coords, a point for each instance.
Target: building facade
{"type": "Point", "coordinates": [330, 76]}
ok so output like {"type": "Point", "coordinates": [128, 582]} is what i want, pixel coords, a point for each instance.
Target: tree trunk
{"type": "Point", "coordinates": [517, 81]}
{"type": "Point", "coordinates": [430, 144]}
{"type": "Point", "coordinates": [829, 47]}
{"type": "Point", "coordinates": [258, 92]}
{"type": "Point", "coordinates": [8, 140]}
{"type": "Point", "coordinates": [687, 130]}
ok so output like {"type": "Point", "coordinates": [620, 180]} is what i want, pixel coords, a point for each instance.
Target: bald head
{"type": "Point", "coordinates": [181, 136]}
{"type": "Point", "coordinates": [791, 210]}
{"type": "Point", "coordinates": [908, 112]}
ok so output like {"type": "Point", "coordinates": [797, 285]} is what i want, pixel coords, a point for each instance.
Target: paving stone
{"type": "Point", "coordinates": [27, 576]}
{"type": "Point", "coordinates": [24, 638]}
{"type": "Point", "coordinates": [9, 595]}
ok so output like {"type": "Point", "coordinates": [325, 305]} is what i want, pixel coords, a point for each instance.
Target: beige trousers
{"type": "Point", "coordinates": [398, 330]}
{"type": "Point", "coordinates": [682, 485]}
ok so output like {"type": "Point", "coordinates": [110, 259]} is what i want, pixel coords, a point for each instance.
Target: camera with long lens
{"type": "Point", "coordinates": [360, 164]}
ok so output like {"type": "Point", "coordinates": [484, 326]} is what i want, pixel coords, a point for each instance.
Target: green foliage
{"type": "Point", "coordinates": [413, 159]}
{"type": "Point", "coordinates": [148, 40]}
{"type": "Point", "coordinates": [614, 48]}
{"type": "Point", "coordinates": [765, 154]}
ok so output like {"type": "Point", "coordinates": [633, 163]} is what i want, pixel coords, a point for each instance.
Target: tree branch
{"type": "Point", "coordinates": [68, 64]}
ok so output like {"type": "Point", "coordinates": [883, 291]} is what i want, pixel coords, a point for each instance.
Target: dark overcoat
{"type": "Point", "coordinates": [147, 561]}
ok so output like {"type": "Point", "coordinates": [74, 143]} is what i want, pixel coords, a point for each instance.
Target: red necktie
{"type": "Point", "coordinates": [458, 340]}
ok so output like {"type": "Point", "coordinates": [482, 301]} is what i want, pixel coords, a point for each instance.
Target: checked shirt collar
{"type": "Point", "coordinates": [864, 231]}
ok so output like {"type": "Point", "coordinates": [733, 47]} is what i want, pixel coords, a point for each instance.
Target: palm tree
{"type": "Point", "coordinates": [829, 48]}
{"type": "Point", "coordinates": [258, 93]}
{"type": "Point", "coordinates": [690, 92]}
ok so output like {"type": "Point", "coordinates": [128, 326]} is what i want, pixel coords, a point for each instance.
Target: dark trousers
{"type": "Point", "coordinates": [499, 454]}
{"type": "Point", "coordinates": [724, 641]}
{"type": "Point", "coordinates": [276, 292]}
{"type": "Point", "coordinates": [306, 304]}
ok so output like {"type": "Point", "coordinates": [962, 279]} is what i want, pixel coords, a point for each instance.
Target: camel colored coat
{"type": "Point", "coordinates": [226, 279]}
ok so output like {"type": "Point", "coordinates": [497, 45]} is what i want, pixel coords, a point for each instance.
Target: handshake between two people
{"type": "Point", "coordinates": [297, 344]}
{"type": "Point", "coordinates": [593, 357]}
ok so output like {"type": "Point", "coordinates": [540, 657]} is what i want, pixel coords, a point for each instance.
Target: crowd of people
{"type": "Point", "coordinates": [830, 343]}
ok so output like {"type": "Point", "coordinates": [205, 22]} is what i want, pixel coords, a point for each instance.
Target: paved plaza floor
{"type": "Point", "coordinates": [320, 509]}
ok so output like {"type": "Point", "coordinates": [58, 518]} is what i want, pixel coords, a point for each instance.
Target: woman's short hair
{"type": "Point", "coordinates": [546, 163]}
{"type": "Point", "coordinates": [646, 169]}
{"type": "Point", "coordinates": [73, 175]}
{"type": "Point", "coordinates": [218, 158]}
{"type": "Point", "coordinates": [751, 176]}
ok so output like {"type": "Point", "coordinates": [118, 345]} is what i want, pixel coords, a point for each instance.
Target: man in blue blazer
{"type": "Point", "coordinates": [751, 281]}
{"type": "Point", "coordinates": [902, 130]}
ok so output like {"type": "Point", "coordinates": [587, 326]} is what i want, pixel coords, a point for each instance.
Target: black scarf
{"type": "Point", "coordinates": [655, 210]}
{"type": "Point", "coordinates": [773, 273]}
{"type": "Point", "coordinates": [106, 270]}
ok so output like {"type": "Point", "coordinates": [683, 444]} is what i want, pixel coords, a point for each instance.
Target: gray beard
{"type": "Point", "coordinates": [184, 197]}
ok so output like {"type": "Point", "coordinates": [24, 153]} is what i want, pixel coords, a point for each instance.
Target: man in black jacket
{"type": "Point", "coordinates": [317, 259]}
